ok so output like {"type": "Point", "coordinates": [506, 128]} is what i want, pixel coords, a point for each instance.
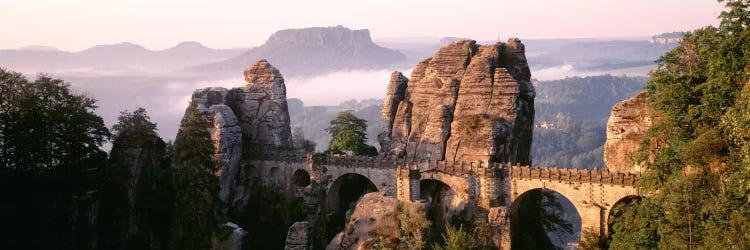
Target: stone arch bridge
{"type": "Point", "coordinates": [490, 190]}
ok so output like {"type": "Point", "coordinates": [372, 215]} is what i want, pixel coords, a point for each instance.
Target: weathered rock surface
{"type": "Point", "coordinates": [375, 218]}
{"type": "Point", "coordinates": [627, 127]}
{"type": "Point", "coordinates": [261, 106]}
{"type": "Point", "coordinates": [261, 119]}
{"type": "Point", "coordinates": [298, 236]}
{"type": "Point", "coordinates": [136, 160]}
{"type": "Point", "coordinates": [467, 102]}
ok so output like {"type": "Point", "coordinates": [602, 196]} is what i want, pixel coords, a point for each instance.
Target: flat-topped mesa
{"type": "Point", "coordinates": [466, 103]}
{"type": "Point", "coordinates": [256, 114]}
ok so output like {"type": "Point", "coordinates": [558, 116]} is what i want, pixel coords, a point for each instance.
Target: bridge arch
{"type": "Point", "coordinates": [343, 193]}
{"type": "Point", "coordinates": [616, 211]}
{"type": "Point", "coordinates": [540, 198]}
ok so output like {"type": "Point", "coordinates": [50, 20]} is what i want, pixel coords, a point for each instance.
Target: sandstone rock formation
{"type": "Point", "coordinates": [375, 218]}
{"type": "Point", "coordinates": [467, 102]}
{"type": "Point", "coordinates": [256, 114]}
{"type": "Point", "coordinates": [626, 128]}
{"type": "Point", "coordinates": [136, 162]}
{"type": "Point", "coordinates": [298, 237]}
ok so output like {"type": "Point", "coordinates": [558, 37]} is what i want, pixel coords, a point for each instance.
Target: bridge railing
{"type": "Point", "coordinates": [451, 167]}
{"type": "Point", "coordinates": [575, 175]}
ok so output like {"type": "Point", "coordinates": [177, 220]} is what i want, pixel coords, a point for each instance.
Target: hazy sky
{"type": "Point", "coordinates": [78, 24]}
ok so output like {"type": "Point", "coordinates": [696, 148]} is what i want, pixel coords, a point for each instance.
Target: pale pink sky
{"type": "Point", "coordinates": [78, 24]}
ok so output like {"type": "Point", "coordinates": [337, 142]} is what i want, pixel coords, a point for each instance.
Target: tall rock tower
{"type": "Point", "coordinates": [254, 114]}
{"type": "Point", "coordinates": [466, 103]}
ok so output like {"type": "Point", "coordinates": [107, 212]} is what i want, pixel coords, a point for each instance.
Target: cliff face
{"type": "Point", "coordinates": [312, 51]}
{"type": "Point", "coordinates": [256, 113]}
{"type": "Point", "coordinates": [627, 127]}
{"type": "Point", "coordinates": [136, 165]}
{"type": "Point", "coordinates": [467, 102]}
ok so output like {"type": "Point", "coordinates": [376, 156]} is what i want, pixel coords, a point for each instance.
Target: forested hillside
{"type": "Point", "coordinates": [695, 189]}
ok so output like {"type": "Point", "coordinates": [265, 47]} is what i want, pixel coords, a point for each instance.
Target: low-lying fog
{"type": "Point", "coordinates": [166, 98]}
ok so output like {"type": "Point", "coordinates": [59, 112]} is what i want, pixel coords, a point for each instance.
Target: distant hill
{"type": "Point", "coordinates": [113, 56]}
{"type": "Point", "coordinates": [38, 48]}
{"type": "Point", "coordinates": [309, 51]}
{"type": "Point", "coordinates": [571, 118]}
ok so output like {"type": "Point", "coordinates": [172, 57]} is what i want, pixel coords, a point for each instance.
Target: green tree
{"type": "Point", "coordinates": [137, 121]}
{"type": "Point", "coordinates": [413, 223]}
{"type": "Point", "coordinates": [50, 141]}
{"type": "Point", "coordinates": [538, 213]}
{"type": "Point", "coordinates": [349, 133]}
{"type": "Point", "coordinates": [696, 180]}
{"type": "Point", "coordinates": [195, 183]}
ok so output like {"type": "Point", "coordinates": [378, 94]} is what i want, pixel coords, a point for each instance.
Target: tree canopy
{"type": "Point", "coordinates": [196, 184]}
{"type": "Point", "coordinates": [349, 133]}
{"type": "Point", "coordinates": [696, 183]}
{"type": "Point", "coordinates": [50, 140]}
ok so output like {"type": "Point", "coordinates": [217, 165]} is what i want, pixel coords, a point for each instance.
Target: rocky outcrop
{"type": "Point", "coordinates": [261, 106]}
{"type": "Point", "coordinates": [467, 102]}
{"type": "Point", "coordinates": [137, 162]}
{"type": "Point", "coordinates": [627, 127]}
{"type": "Point", "coordinates": [256, 114]}
{"type": "Point", "coordinates": [375, 219]}
{"type": "Point", "coordinates": [298, 237]}
{"type": "Point", "coordinates": [233, 241]}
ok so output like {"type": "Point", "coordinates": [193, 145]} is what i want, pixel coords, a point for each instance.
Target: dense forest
{"type": "Point", "coordinates": [695, 186]}
{"type": "Point", "coordinates": [571, 118]}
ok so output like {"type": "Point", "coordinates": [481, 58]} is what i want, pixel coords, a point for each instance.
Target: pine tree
{"type": "Point", "coordinates": [196, 184]}
{"type": "Point", "coordinates": [349, 133]}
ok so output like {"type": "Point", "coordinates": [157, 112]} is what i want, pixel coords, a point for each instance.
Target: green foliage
{"type": "Point", "coordinates": [579, 108]}
{"type": "Point", "coordinates": [349, 133]}
{"type": "Point", "coordinates": [696, 178]}
{"type": "Point", "coordinates": [196, 184]}
{"type": "Point", "coordinates": [537, 213]}
{"type": "Point", "coordinates": [136, 122]}
{"type": "Point", "coordinates": [590, 240]}
{"type": "Point", "coordinates": [570, 143]}
{"type": "Point", "coordinates": [268, 215]}
{"type": "Point", "coordinates": [413, 223]}
{"type": "Point", "coordinates": [50, 141]}
{"type": "Point", "coordinates": [479, 237]}
{"type": "Point", "coordinates": [46, 127]}
{"type": "Point", "coordinates": [380, 245]}
{"type": "Point", "coordinates": [456, 239]}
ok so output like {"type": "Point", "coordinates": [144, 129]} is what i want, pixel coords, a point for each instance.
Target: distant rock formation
{"type": "Point", "coordinates": [316, 50]}
{"type": "Point", "coordinates": [467, 102]}
{"type": "Point", "coordinates": [256, 114]}
{"type": "Point", "coordinates": [627, 127]}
